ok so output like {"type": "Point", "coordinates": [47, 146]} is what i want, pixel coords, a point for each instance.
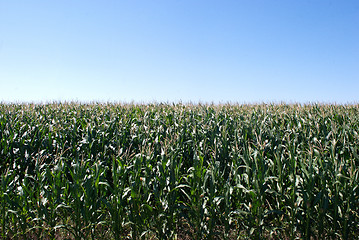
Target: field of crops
{"type": "Point", "coordinates": [180, 171]}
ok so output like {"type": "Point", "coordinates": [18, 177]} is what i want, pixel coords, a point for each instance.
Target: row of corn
{"type": "Point", "coordinates": [180, 171]}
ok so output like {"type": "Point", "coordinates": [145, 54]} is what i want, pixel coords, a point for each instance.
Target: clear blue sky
{"type": "Point", "coordinates": [179, 50]}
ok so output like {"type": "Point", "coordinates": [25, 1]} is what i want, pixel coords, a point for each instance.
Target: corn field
{"type": "Point", "coordinates": [179, 171]}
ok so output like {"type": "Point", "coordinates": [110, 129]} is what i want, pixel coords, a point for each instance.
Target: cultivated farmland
{"type": "Point", "coordinates": [179, 171]}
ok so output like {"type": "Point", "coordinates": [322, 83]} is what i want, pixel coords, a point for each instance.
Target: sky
{"type": "Point", "coordinates": [209, 51]}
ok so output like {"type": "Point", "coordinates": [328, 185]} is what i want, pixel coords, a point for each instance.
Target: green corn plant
{"type": "Point", "coordinates": [197, 198]}
{"type": "Point", "coordinates": [7, 181]}
{"type": "Point", "coordinates": [21, 209]}
{"type": "Point", "coordinates": [94, 187]}
{"type": "Point", "coordinates": [75, 205]}
{"type": "Point", "coordinates": [116, 203]}
{"type": "Point", "coordinates": [83, 199]}
{"type": "Point", "coordinates": [140, 211]}
{"type": "Point", "coordinates": [51, 203]}
{"type": "Point", "coordinates": [164, 196]}
{"type": "Point", "coordinates": [218, 195]}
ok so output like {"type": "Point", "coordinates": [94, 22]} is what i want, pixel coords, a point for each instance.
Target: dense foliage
{"type": "Point", "coordinates": [161, 171]}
